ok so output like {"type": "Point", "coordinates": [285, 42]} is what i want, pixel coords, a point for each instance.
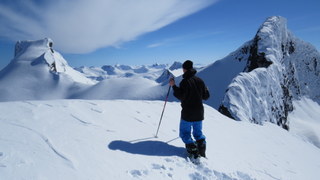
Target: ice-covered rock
{"type": "Point", "coordinates": [279, 67]}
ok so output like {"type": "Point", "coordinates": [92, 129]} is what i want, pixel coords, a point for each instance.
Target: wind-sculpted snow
{"type": "Point", "coordinates": [114, 139]}
{"type": "Point", "coordinates": [279, 68]}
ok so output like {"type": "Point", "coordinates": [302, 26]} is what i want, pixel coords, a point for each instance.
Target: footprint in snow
{"type": "Point", "coordinates": [138, 173]}
{"type": "Point", "coordinates": [158, 166]}
{"type": "Point", "coordinates": [155, 168]}
{"type": "Point", "coordinates": [163, 170]}
{"type": "Point", "coordinates": [169, 160]}
{"type": "Point", "coordinates": [206, 173]}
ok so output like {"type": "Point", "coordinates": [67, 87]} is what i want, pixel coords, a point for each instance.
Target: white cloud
{"type": "Point", "coordinates": [155, 45]}
{"type": "Point", "coordinates": [82, 26]}
{"type": "Point", "coordinates": [185, 37]}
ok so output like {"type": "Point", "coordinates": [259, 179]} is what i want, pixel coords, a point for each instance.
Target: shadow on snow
{"type": "Point", "coordinates": [148, 148]}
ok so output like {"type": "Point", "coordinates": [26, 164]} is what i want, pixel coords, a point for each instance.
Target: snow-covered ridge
{"type": "Point", "coordinates": [38, 72]}
{"type": "Point", "coordinates": [279, 67]}
{"type": "Point", "coordinates": [41, 51]}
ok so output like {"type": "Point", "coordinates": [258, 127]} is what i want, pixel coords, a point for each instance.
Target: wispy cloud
{"type": "Point", "coordinates": [310, 29]}
{"type": "Point", "coordinates": [82, 26]}
{"type": "Point", "coordinates": [181, 38]}
{"type": "Point", "coordinates": [155, 45]}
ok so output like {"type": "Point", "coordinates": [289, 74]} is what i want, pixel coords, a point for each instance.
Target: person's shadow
{"type": "Point", "coordinates": [148, 148]}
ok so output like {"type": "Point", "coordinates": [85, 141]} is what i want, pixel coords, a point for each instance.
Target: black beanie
{"type": "Point", "coordinates": [187, 65]}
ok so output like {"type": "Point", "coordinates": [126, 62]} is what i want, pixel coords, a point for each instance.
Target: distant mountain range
{"type": "Point", "coordinates": [257, 83]}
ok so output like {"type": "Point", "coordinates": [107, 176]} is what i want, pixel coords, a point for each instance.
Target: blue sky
{"type": "Point", "coordinates": [173, 30]}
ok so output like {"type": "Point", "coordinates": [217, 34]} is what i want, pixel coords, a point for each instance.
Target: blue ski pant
{"type": "Point", "coordinates": [185, 131]}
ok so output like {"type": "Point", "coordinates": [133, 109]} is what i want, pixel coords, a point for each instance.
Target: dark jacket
{"type": "Point", "coordinates": [191, 92]}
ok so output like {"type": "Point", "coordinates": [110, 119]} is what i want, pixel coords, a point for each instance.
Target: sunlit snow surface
{"type": "Point", "coordinates": [87, 139]}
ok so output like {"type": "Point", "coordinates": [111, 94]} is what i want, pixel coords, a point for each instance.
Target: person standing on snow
{"type": "Point", "coordinates": [191, 91]}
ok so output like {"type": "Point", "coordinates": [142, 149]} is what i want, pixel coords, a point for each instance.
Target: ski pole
{"type": "Point", "coordinates": [163, 111]}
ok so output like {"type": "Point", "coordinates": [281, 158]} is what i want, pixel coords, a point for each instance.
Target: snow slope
{"type": "Point", "coordinates": [219, 75]}
{"type": "Point", "coordinates": [134, 88]}
{"type": "Point", "coordinates": [91, 139]}
{"type": "Point", "coordinates": [305, 120]}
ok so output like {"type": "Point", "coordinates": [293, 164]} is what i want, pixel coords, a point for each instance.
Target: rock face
{"type": "Point", "coordinates": [165, 76]}
{"type": "Point", "coordinates": [279, 68]}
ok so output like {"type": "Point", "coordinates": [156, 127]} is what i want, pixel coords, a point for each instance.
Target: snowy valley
{"type": "Point", "coordinates": [59, 122]}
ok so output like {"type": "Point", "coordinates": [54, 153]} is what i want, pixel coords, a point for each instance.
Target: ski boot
{"type": "Point", "coordinates": [192, 150]}
{"type": "Point", "coordinates": [201, 144]}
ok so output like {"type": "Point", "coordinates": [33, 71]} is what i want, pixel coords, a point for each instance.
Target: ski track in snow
{"type": "Point", "coordinates": [49, 144]}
